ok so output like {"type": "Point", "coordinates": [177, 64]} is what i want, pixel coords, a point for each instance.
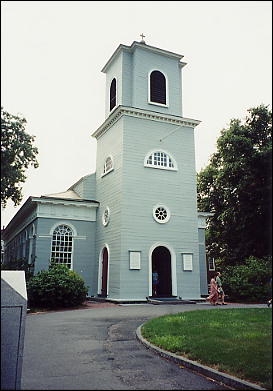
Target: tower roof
{"type": "Point", "coordinates": [144, 46]}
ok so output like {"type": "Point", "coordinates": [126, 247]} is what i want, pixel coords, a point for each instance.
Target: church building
{"type": "Point", "coordinates": [138, 212]}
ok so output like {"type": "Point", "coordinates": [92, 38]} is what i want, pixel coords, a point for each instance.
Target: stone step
{"type": "Point", "coordinates": [168, 300]}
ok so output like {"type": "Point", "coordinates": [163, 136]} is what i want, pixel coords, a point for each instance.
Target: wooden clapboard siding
{"type": "Point", "coordinates": [109, 195]}
{"type": "Point", "coordinates": [83, 248]}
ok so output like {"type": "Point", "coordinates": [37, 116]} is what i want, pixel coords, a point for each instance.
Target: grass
{"type": "Point", "coordinates": [234, 341]}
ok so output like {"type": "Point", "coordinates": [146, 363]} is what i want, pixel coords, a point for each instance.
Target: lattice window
{"type": "Point", "coordinates": [108, 165]}
{"type": "Point", "coordinates": [160, 159]}
{"type": "Point", "coordinates": [62, 245]}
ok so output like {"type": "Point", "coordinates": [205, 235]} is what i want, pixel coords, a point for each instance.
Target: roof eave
{"type": "Point", "coordinates": [145, 47]}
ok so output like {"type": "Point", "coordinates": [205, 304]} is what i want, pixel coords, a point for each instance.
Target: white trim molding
{"type": "Point", "coordinates": [150, 48]}
{"type": "Point", "coordinates": [146, 114]}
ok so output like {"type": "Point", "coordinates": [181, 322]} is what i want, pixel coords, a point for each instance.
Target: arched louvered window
{"type": "Point", "coordinates": [62, 243]}
{"type": "Point", "coordinates": [113, 94]}
{"type": "Point", "coordinates": [160, 159]}
{"type": "Point", "coordinates": [157, 87]}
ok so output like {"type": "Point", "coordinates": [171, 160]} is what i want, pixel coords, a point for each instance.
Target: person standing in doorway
{"type": "Point", "coordinates": [221, 293]}
{"type": "Point", "coordinates": [155, 282]}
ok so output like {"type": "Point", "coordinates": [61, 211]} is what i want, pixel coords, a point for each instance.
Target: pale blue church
{"type": "Point", "coordinates": [138, 211]}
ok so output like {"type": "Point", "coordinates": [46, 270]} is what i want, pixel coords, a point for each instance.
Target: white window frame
{"type": "Point", "coordinates": [105, 170]}
{"type": "Point", "coordinates": [110, 111]}
{"type": "Point", "coordinates": [167, 210]}
{"type": "Point", "coordinates": [149, 89]}
{"type": "Point", "coordinates": [187, 261]}
{"type": "Point", "coordinates": [213, 263]}
{"type": "Point", "coordinates": [105, 221]}
{"type": "Point", "coordinates": [134, 260]}
{"type": "Point", "coordinates": [152, 165]}
{"type": "Point", "coordinates": [73, 235]}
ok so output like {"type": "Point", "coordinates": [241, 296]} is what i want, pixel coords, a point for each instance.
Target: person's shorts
{"type": "Point", "coordinates": [220, 291]}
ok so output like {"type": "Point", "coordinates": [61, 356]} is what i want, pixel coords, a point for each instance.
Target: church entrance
{"type": "Point", "coordinates": [161, 262]}
{"type": "Point", "coordinates": [104, 272]}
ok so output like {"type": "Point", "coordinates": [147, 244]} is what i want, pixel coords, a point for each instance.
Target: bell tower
{"type": "Point", "coordinates": [146, 179]}
{"type": "Point", "coordinates": [144, 77]}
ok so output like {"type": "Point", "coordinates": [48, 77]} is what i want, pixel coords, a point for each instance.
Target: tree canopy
{"type": "Point", "coordinates": [17, 154]}
{"type": "Point", "coordinates": [237, 187]}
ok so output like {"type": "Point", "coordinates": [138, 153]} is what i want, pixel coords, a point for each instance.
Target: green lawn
{"type": "Point", "coordinates": [235, 341]}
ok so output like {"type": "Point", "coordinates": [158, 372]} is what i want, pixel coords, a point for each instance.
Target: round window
{"type": "Point", "coordinates": [161, 214]}
{"type": "Point", "coordinates": [106, 216]}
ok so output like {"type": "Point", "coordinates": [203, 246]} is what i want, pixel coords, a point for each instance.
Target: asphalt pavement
{"type": "Point", "coordinates": [97, 349]}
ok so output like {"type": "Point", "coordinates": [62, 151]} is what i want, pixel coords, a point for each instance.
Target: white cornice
{"type": "Point", "coordinates": [144, 114]}
{"type": "Point", "coordinates": [144, 46]}
{"type": "Point", "coordinates": [56, 201]}
{"type": "Point", "coordinates": [28, 212]}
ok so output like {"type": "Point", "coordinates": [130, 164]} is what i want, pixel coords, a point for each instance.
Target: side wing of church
{"type": "Point", "coordinates": [137, 213]}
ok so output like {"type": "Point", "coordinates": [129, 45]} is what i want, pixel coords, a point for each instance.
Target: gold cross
{"type": "Point", "coordinates": [142, 36]}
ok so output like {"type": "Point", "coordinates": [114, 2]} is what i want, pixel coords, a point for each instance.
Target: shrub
{"type": "Point", "coordinates": [250, 281]}
{"type": "Point", "coordinates": [56, 287]}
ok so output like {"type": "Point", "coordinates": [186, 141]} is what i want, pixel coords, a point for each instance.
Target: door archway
{"type": "Point", "coordinates": [104, 272]}
{"type": "Point", "coordinates": [162, 263]}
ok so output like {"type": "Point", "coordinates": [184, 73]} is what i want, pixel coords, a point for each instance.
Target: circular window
{"type": "Point", "coordinates": [161, 214]}
{"type": "Point", "coordinates": [106, 216]}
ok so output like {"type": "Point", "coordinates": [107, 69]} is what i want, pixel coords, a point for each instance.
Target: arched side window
{"type": "Point", "coordinates": [113, 94]}
{"type": "Point", "coordinates": [62, 245]}
{"type": "Point", "coordinates": [158, 88]}
{"type": "Point", "coordinates": [160, 159]}
{"type": "Point", "coordinates": [108, 165]}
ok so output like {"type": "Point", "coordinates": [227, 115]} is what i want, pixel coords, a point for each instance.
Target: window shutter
{"type": "Point", "coordinates": [113, 90]}
{"type": "Point", "coordinates": [157, 87]}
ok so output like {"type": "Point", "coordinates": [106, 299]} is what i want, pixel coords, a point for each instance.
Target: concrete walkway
{"type": "Point", "coordinates": [97, 349]}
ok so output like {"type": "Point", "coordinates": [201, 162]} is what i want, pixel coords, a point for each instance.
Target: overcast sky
{"type": "Point", "coordinates": [53, 53]}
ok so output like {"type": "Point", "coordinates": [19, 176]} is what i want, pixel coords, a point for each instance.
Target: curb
{"type": "Point", "coordinates": [222, 377]}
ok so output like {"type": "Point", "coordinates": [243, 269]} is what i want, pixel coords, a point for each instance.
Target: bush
{"type": "Point", "coordinates": [57, 287]}
{"type": "Point", "coordinates": [249, 282]}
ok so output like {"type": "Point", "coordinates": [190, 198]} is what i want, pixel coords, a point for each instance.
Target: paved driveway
{"type": "Point", "coordinates": [96, 349]}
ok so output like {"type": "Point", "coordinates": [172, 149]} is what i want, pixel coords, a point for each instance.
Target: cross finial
{"type": "Point", "coordinates": [142, 36]}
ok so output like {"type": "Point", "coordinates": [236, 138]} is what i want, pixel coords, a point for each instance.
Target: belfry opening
{"type": "Point", "coordinates": [161, 263]}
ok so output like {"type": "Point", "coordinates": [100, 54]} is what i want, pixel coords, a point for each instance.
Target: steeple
{"type": "Point", "coordinates": [144, 77]}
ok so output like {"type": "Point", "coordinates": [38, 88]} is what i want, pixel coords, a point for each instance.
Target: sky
{"type": "Point", "coordinates": [53, 53]}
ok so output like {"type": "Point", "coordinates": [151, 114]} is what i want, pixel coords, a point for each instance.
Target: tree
{"type": "Point", "coordinates": [17, 154]}
{"type": "Point", "coordinates": [237, 187]}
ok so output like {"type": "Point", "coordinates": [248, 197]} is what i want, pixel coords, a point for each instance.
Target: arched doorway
{"type": "Point", "coordinates": [104, 272]}
{"type": "Point", "coordinates": [161, 262]}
